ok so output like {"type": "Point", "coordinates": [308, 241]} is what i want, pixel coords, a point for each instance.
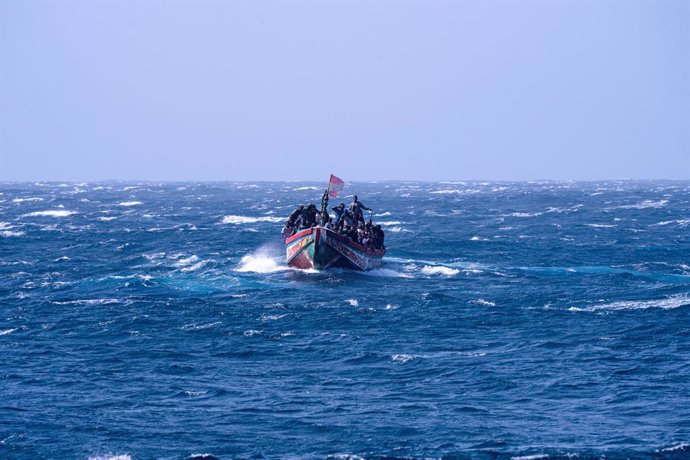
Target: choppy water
{"type": "Point", "coordinates": [538, 320]}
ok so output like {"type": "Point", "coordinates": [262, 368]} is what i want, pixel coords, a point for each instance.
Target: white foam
{"type": "Point", "coordinates": [186, 261]}
{"type": "Point", "coordinates": [680, 446]}
{"type": "Point", "coordinates": [8, 331]}
{"type": "Point", "coordinates": [87, 302]}
{"type": "Point", "coordinates": [353, 302]}
{"type": "Point", "coordinates": [106, 219]}
{"type": "Point", "coordinates": [111, 457]}
{"type": "Point", "coordinates": [439, 270]}
{"type": "Point", "coordinates": [530, 457]}
{"type": "Point", "coordinates": [130, 203]}
{"type": "Point", "coordinates": [646, 204]}
{"type": "Point", "coordinates": [196, 266]}
{"type": "Point", "coordinates": [526, 214]}
{"type": "Point", "coordinates": [232, 219]}
{"type": "Point", "coordinates": [386, 273]}
{"type": "Point", "coordinates": [402, 358]}
{"type": "Point", "coordinates": [303, 188]}
{"type": "Point", "coordinates": [675, 301]}
{"type": "Point", "coordinates": [50, 213]}
{"type": "Point", "coordinates": [384, 214]}
{"type": "Point", "coordinates": [260, 262]}
{"type": "Point", "coordinates": [23, 200]}
{"type": "Point", "coordinates": [486, 303]}
{"type": "Point", "coordinates": [397, 229]}
{"type": "Point", "coordinates": [10, 233]}
{"type": "Point", "coordinates": [600, 225]}
{"type": "Point", "coordinates": [446, 192]}
{"type": "Point", "coordinates": [390, 222]}
{"type": "Point", "coordinates": [680, 222]}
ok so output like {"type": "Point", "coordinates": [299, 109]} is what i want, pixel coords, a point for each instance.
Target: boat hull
{"type": "Point", "coordinates": [320, 248]}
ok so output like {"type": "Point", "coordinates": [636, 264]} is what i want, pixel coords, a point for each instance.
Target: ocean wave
{"type": "Point", "coordinates": [386, 273]}
{"type": "Point", "coordinates": [353, 302]}
{"type": "Point", "coordinates": [24, 200]}
{"type": "Point", "coordinates": [260, 263]}
{"type": "Point", "coordinates": [680, 222]}
{"type": "Point", "coordinates": [9, 233]}
{"type": "Point", "coordinates": [298, 189]}
{"type": "Point", "coordinates": [486, 303]}
{"type": "Point", "coordinates": [87, 302]}
{"type": "Point", "coordinates": [601, 225]}
{"type": "Point", "coordinates": [196, 266]}
{"type": "Point", "coordinates": [439, 270]}
{"type": "Point", "coordinates": [106, 219]}
{"type": "Point", "coordinates": [525, 214]}
{"type": "Point", "coordinates": [130, 203]}
{"type": "Point", "coordinates": [232, 219]}
{"type": "Point", "coordinates": [187, 261]}
{"type": "Point", "coordinates": [390, 222]}
{"type": "Point", "coordinates": [403, 358]}
{"type": "Point", "coordinates": [50, 213]}
{"type": "Point", "coordinates": [667, 303]}
{"type": "Point", "coordinates": [398, 229]}
{"type": "Point", "coordinates": [645, 204]}
{"type": "Point", "coordinates": [8, 331]}
{"type": "Point", "coordinates": [384, 214]}
{"type": "Point", "coordinates": [111, 457]}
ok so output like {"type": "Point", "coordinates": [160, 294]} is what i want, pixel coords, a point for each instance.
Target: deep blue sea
{"type": "Point", "coordinates": [527, 320]}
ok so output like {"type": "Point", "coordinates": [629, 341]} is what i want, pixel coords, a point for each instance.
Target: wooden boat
{"type": "Point", "coordinates": [321, 248]}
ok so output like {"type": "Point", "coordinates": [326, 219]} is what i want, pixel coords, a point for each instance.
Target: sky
{"type": "Point", "coordinates": [367, 90]}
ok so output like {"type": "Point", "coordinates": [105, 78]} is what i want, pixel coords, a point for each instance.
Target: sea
{"type": "Point", "coordinates": [509, 320]}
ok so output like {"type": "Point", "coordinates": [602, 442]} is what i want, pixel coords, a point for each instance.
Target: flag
{"type": "Point", "coordinates": [335, 186]}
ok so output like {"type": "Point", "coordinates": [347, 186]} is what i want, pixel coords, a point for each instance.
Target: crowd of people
{"type": "Point", "coordinates": [346, 221]}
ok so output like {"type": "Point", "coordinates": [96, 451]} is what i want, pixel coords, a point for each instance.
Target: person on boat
{"type": "Point", "coordinates": [357, 208]}
{"type": "Point", "coordinates": [339, 211]}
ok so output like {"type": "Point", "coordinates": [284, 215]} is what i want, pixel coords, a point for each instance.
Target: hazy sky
{"type": "Point", "coordinates": [368, 90]}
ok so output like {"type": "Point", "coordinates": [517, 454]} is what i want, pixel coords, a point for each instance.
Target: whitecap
{"type": "Point", "coordinates": [196, 266]}
{"type": "Point", "coordinates": [8, 331]}
{"type": "Point", "coordinates": [402, 358]}
{"type": "Point", "coordinates": [681, 446]}
{"type": "Point", "coordinates": [23, 200]}
{"type": "Point", "coordinates": [525, 214]}
{"type": "Point", "coordinates": [10, 233]}
{"type": "Point", "coordinates": [199, 327]}
{"type": "Point", "coordinates": [186, 261]}
{"type": "Point", "coordinates": [397, 229]}
{"type": "Point", "coordinates": [304, 188]}
{"type": "Point", "coordinates": [195, 393]}
{"type": "Point", "coordinates": [667, 303]}
{"type": "Point", "coordinates": [87, 302]}
{"type": "Point", "coordinates": [386, 273]}
{"type": "Point", "coordinates": [390, 222]}
{"type": "Point", "coordinates": [106, 219]}
{"type": "Point", "coordinates": [384, 214]}
{"type": "Point", "coordinates": [232, 219]}
{"type": "Point", "coordinates": [601, 225]}
{"type": "Point", "coordinates": [439, 270]}
{"type": "Point", "coordinates": [353, 302]}
{"type": "Point", "coordinates": [130, 203]}
{"type": "Point", "coordinates": [645, 204]}
{"type": "Point", "coordinates": [260, 262]}
{"type": "Point", "coordinates": [272, 317]}
{"type": "Point", "coordinates": [50, 213]}
{"type": "Point", "coordinates": [111, 457]}
{"type": "Point", "coordinates": [486, 303]}
{"type": "Point", "coordinates": [530, 457]}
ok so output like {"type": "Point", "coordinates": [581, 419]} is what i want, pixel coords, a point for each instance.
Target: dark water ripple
{"type": "Point", "coordinates": [510, 320]}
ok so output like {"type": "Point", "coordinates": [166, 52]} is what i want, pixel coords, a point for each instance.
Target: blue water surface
{"type": "Point", "coordinates": [509, 320]}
